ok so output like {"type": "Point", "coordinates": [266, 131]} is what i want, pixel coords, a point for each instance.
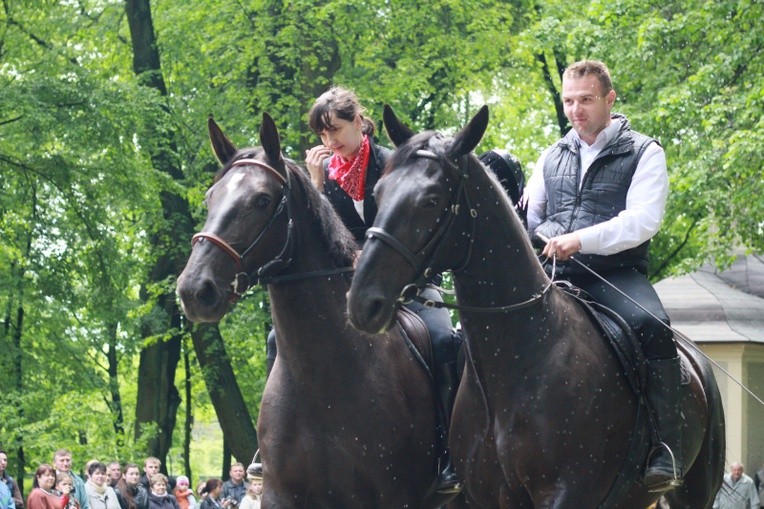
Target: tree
{"type": "Point", "coordinates": [159, 361]}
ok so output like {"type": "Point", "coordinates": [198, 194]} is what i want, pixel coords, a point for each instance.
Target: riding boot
{"type": "Point", "coordinates": [446, 383]}
{"type": "Point", "coordinates": [270, 352]}
{"type": "Point", "coordinates": [664, 469]}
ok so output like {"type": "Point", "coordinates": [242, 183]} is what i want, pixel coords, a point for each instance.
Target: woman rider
{"type": "Point", "coordinates": [345, 167]}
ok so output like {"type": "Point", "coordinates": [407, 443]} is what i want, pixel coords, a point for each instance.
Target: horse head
{"type": "Point", "coordinates": [246, 233]}
{"type": "Point", "coordinates": [422, 211]}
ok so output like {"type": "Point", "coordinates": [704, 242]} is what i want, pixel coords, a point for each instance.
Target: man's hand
{"type": "Point", "coordinates": [563, 246]}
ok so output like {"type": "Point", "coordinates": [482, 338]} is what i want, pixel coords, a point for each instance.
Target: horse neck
{"type": "Point", "coordinates": [310, 314]}
{"type": "Point", "coordinates": [502, 268]}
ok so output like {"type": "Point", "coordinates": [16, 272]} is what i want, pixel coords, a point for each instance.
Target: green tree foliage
{"type": "Point", "coordinates": [81, 205]}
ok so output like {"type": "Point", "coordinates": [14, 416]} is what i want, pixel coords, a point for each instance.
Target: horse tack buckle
{"type": "Point", "coordinates": [408, 293]}
{"type": "Point", "coordinates": [240, 284]}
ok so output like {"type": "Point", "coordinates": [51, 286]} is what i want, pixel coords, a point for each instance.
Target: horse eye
{"type": "Point", "coordinates": [430, 202]}
{"type": "Point", "coordinates": [262, 202]}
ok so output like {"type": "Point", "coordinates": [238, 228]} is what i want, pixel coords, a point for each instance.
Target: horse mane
{"type": "Point", "coordinates": [407, 150]}
{"type": "Point", "coordinates": [340, 242]}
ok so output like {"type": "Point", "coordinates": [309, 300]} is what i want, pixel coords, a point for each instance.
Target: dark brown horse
{"type": "Point", "coordinates": [544, 416]}
{"type": "Point", "coordinates": [348, 419]}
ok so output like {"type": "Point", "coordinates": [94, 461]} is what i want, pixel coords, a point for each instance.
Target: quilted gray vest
{"type": "Point", "coordinates": [601, 196]}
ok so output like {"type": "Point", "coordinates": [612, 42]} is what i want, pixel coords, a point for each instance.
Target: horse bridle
{"type": "Point", "coordinates": [423, 263]}
{"type": "Point", "coordinates": [243, 280]}
{"type": "Point", "coordinates": [268, 273]}
{"type": "Point", "coordinates": [423, 260]}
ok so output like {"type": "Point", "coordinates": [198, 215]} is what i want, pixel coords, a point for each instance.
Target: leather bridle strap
{"type": "Point", "coordinates": [242, 280]}
{"type": "Point", "coordinates": [534, 299]}
{"type": "Point", "coordinates": [270, 169]}
{"type": "Point", "coordinates": [379, 233]}
{"type": "Point", "coordinates": [222, 244]}
{"type": "Point", "coordinates": [426, 255]}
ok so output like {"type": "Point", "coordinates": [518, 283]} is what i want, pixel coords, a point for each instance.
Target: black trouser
{"type": "Point", "coordinates": [654, 335]}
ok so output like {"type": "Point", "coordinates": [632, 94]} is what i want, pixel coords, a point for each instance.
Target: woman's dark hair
{"type": "Point", "coordinates": [96, 466]}
{"type": "Point", "coordinates": [127, 491]}
{"type": "Point", "coordinates": [42, 469]}
{"type": "Point", "coordinates": [341, 102]}
{"type": "Point", "coordinates": [211, 485]}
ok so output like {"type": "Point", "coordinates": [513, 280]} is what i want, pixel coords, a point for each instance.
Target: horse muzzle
{"type": "Point", "coordinates": [201, 299]}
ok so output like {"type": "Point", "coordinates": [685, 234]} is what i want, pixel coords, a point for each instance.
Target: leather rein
{"type": "Point", "coordinates": [265, 274]}
{"type": "Point", "coordinates": [422, 262]}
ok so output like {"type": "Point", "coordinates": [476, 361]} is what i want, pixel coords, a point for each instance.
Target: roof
{"type": "Point", "coordinates": [718, 307]}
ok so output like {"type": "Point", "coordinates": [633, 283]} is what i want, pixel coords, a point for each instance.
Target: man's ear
{"type": "Point", "coordinates": [611, 98]}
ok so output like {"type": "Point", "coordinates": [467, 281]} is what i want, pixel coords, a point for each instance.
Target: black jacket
{"type": "Point", "coordinates": [343, 204]}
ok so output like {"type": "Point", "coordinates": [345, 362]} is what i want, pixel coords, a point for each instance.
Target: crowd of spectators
{"type": "Point", "coordinates": [122, 486]}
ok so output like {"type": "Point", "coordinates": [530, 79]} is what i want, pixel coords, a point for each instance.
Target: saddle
{"type": "Point", "coordinates": [416, 336]}
{"type": "Point", "coordinates": [619, 334]}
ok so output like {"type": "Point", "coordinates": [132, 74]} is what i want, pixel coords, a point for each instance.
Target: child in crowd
{"type": "Point", "coordinates": [254, 493]}
{"type": "Point", "coordinates": [183, 493]}
{"type": "Point", "coordinates": [65, 486]}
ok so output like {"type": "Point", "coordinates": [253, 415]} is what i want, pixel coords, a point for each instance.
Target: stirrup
{"type": "Point", "coordinates": [670, 483]}
{"type": "Point", "coordinates": [255, 470]}
{"type": "Point", "coordinates": [448, 488]}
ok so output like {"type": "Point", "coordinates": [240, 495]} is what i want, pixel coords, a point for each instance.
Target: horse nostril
{"type": "Point", "coordinates": [377, 313]}
{"type": "Point", "coordinates": [375, 308]}
{"type": "Point", "coordinates": [208, 294]}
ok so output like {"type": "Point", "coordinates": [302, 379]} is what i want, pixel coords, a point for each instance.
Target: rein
{"type": "Point", "coordinates": [243, 280]}
{"type": "Point", "coordinates": [536, 297]}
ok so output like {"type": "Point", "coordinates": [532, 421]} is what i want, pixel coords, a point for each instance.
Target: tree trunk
{"type": "Point", "coordinates": [158, 398]}
{"type": "Point", "coordinates": [115, 401]}
{"type": "Point", "coordinates": [189, 424]}
{"type": "Point", "coordinates": [562, 120]}
{"type": "Point", "coordinates": [238, 429]}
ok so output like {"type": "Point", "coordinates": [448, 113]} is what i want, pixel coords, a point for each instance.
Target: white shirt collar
{"type": "Point", "coordinates": [603, 137]}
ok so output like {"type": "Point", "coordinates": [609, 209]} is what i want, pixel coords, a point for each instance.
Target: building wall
{"type": "Point", "coordinates": [744, 414]}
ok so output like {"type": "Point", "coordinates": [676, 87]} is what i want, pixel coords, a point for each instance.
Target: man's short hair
{"type": "Point", "coordinates": [593, 68]}
{"type": "Point", "coordinates": [62, 452]}
{"type": "Point", "coordinates": [152, 459]}
{"type": "Point", "coordinates": [237, 464]}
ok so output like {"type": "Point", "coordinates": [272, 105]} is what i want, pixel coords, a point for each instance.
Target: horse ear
{"type": "Point", "coordinates": [223, 147]}
{"type": "Point", "coordinates": [469, 137]}
{"type": "Point", "coordinates": [396, 130]}
{"type": "Point", "coordinates": [269, 140]}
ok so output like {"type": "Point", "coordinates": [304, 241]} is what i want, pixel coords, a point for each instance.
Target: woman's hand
{"type": "Point", "coordinates": [314, 160]}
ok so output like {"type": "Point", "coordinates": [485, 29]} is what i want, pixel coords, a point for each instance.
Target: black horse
{"type": "Point", "coordinates": [545, 416]}
{"type": "Point", "coordinates": [348, 419]}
